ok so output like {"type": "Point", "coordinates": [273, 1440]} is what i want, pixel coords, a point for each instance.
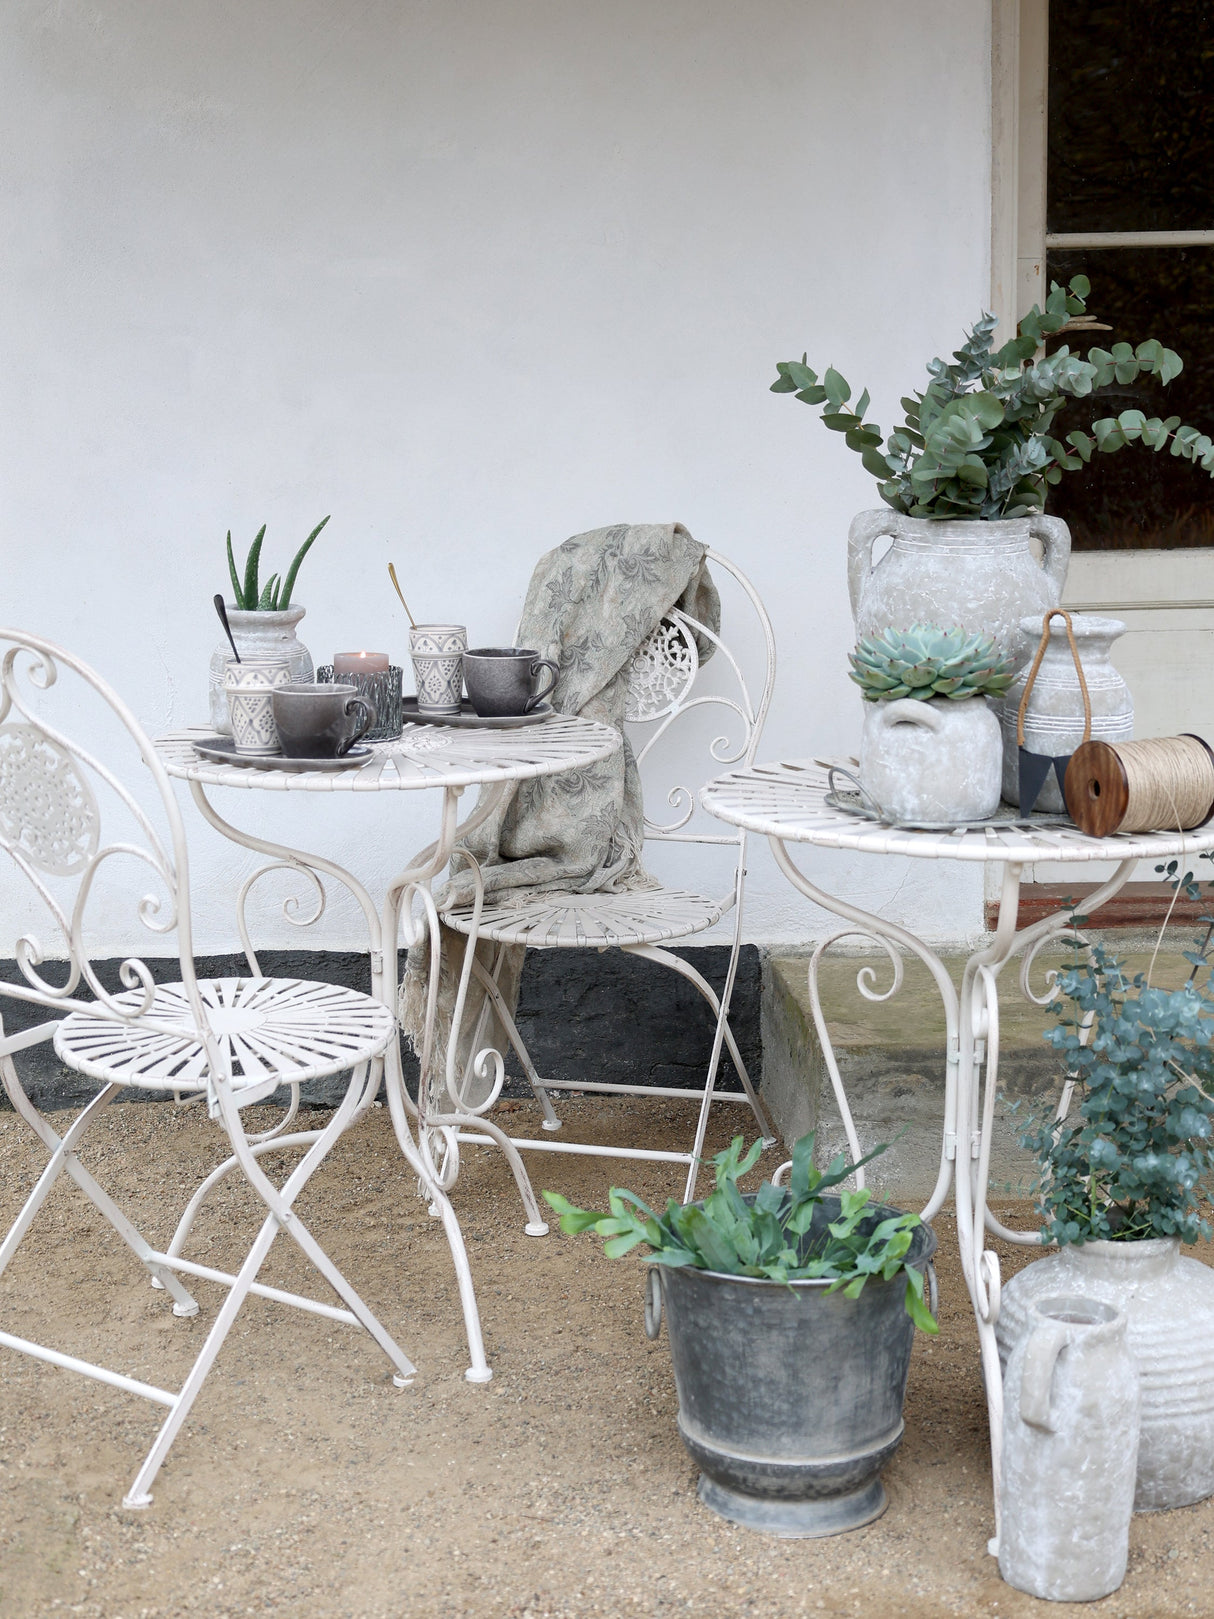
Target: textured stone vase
{"type": "Point", "coordinates": [257, 635]}
{"type": "Point", "coordinates": [982, 576]}
{"type": "Point", "coordinates": [1169, 1306]}
{"type": "Point", "coordinates": [1070, 1448]}
{"type": "Point", "coordinates": [1053, 721]}
{"type": "Point", "coordinates": [934, 763]}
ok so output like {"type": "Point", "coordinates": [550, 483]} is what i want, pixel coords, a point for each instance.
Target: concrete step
{"type": "Point", "coordinates": [891, 1058]}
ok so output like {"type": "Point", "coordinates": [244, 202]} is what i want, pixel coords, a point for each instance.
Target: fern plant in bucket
{"type": "Point", "coordinates": [790, 1313]}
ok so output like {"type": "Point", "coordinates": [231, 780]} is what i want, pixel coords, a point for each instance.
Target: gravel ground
{"type": "Point", "coordinates": [305, 1484]}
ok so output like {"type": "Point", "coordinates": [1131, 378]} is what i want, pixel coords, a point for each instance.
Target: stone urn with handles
{"type": "Point", "coordinates": [980, 574]}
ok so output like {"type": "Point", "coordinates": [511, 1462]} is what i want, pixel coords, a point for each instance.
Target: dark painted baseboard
{"type": "Point", "coordinates": [584, 1015]}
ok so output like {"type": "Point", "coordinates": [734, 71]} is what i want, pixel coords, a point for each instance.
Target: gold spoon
{"type": "Point", "coordinates": [400, 593]}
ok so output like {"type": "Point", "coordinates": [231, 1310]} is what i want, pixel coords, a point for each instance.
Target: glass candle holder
{"type": "Point", "coordinates": [383, 691]}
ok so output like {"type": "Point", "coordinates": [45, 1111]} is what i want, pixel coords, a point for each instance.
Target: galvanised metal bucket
{"type": "Point", "coordinates": [790, 1397]}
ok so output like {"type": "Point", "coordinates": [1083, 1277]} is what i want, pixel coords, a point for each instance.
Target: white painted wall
{"type": "Point", "coordinates": [471, 277]}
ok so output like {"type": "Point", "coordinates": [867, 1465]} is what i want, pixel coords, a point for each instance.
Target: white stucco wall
{"type": "Point", "coordinates": [471, 277]}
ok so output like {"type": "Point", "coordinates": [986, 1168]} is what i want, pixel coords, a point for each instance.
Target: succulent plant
{"type": "Point", "coordinates": [275, 595]}
{"type": "Point", "coordinates": [926, 661]}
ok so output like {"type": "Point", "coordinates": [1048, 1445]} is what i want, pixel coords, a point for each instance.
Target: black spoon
{"type": "Point", "coordinates": [227, 628]}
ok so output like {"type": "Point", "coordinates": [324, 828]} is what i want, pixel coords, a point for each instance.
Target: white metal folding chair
{"type": "Point", "coordinates": [229, 1041]}
{"type": "Point", "coordinates": [666, 686]}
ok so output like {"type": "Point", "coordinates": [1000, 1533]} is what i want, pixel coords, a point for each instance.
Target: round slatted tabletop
{"type": "Point", "coordinates": [788, 800]}
{"type": "Point", "coordinates": [423, 756]}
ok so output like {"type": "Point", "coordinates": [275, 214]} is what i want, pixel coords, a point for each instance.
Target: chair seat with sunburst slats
{"type": "Point", "coordinates": [594, 921]}
{"type": "Point", "coordinates": [272, 1032]}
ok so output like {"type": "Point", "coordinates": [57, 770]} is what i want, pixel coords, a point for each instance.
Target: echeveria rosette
{"type": "Point", "coordinates": [978, 442]}
{"type": "Point", "coordinates": [926, 661]}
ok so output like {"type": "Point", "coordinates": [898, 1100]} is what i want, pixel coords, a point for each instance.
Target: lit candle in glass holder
{"type": "Point", "coordinates": [359, 663]}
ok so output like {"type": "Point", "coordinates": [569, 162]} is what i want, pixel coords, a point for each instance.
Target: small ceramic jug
{"type": "Point", "coordinates": [1070, 1452]}
{"type": "Point", "coordinates": [1054, 716]}
{"type": "Point", "coordinates": [931, 763]}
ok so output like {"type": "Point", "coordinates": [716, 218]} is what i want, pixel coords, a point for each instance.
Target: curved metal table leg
{"type": "Point", "coordinates": [971, 1080]}
{"type": "Point", "coordinates": [381, 932]}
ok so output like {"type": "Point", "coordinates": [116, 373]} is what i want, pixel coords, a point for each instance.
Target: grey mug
{"type": "Point", "coordinates": [501, 679]}
{"type": "Point", "coordinates": [320, 720]}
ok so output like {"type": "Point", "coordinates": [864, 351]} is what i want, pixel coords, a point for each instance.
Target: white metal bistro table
{"type": "Point", "coordinates": [425, 756]}
{"type": "Point", "coordinates": [787, 802]}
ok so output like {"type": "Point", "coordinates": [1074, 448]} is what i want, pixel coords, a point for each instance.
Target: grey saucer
{"type": "Point", "coordinates": [223, 749]}
{"type": "Point", "coordinates": [469, 719]}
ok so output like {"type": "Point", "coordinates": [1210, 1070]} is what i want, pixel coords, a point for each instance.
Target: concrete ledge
{"type": "Point", "coordinates": [891, 1060]}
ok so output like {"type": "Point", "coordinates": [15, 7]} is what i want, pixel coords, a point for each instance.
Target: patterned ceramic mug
{"type": "Point", "coordinates": [438, 666]}
{"type": "Point", "coordinates": [249, 686]}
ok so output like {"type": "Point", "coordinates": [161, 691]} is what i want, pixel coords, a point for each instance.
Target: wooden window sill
{"type": "Point", "coordinates": [1139, 905]}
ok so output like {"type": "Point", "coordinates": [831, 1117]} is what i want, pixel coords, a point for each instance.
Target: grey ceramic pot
{"type": "Point", "coordinates": [790, 1398]}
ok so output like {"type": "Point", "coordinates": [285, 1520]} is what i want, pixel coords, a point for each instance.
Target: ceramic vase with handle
{"type": "Point", "coordinates": [934, 762]}
{"type": "Point", "coordinates": [1169, 1304]}
{"type": "Point", "coordinates": [1070, 1449]}
{"type": "Point", "coordinates": [1054, 714]}
{"type": "Point", "coordinates": [982, 575]}
{"type": "Point", "coordinates": [257, 635]}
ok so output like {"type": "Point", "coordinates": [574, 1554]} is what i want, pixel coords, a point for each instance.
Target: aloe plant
{"type": "Point", "coordinates": [769, 1235]}
{"type": "Point", "coordinates": [275, 595]}
{"type": "Point", "coordinates": [928, 662]}
{"type": "Point", "coordinates": [978, 441]}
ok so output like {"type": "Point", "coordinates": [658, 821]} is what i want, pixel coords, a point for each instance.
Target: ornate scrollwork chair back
{"type": "Point", "coordinates": [674, 695]}
{"type": "Point", "coordinates": [80, 843]}
{"type": "Point", "coordinates": [79, 837]}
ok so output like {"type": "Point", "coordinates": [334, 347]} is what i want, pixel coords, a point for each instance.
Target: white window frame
{"type": "Point", "coordinates": [1019, 105]}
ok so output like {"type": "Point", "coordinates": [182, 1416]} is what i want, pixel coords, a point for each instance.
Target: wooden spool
{"type": "Point", "coordinates": [1098, 791]}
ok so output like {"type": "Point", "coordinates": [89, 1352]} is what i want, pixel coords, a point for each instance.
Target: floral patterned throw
{"type": "Point", "coordinates": [590, 605]}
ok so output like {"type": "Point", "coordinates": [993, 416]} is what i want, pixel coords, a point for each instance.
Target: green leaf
{"type": "Point", "coordinates": [250, 568]}
{"type": "Point", "coordinates": [237, 591]}
{"type": "Point", "coordinates": [838, 391]}
{"type": "Point", "coordinates": [288, 584]}
{"type": "Point", "coordinates": [266, 599]}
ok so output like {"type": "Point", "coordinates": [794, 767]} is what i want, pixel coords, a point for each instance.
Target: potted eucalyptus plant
{"type": "Point", "coordinates": [1123, 1184]}
{"type": "Point", "coordinates": [262, 618]}
{"type": "Point", "coordinates": [931, 751]}
{"type": "Point", "coordinates": [965, 477]}
{"type": "Point", "coordinates": [790, 1313]}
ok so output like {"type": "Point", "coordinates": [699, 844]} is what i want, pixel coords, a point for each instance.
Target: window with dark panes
{"type": "Point", "coordinates": [1130, 153]}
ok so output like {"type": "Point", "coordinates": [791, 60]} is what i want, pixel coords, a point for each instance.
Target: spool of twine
{"type": "Point", "coordinates": [1163, 782]}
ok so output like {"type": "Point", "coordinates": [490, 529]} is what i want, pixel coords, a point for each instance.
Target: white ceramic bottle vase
{"type": "Point", "coordinates": [258, 635]}
{"type": "Point", "coordinates": [1070, 1450]}
{"type": "Point", "coordinates": [933, 762]}
{"type": "Point", "coordinates": [1168, 1299]}
{"type": "Point", "coordinates": [979, 574]}
{"type": "Point", "coordinates": [1053, 719]}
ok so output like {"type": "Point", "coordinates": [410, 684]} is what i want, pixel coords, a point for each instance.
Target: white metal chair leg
{"type": "Point", "coordinates": [280, 1217]}
{"type": "Point", "coordinates": [259, 1145]}
{"type": "Point", "coordinates": [686, 970]}
{"type": "Point", "coordinates": [494, 994]}
{"type": "Point", "coordinates": [63, 1159]}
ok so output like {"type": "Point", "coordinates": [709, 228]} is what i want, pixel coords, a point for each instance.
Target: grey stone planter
{"type": "Point", "coordinates": [790, 1397]}
{"type": "Point", "coordinates": [1168, 1300]}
